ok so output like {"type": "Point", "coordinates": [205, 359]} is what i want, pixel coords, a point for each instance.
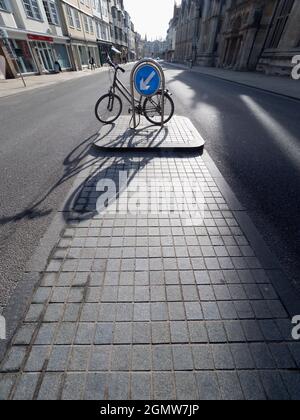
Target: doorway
{"type": "Point", "coordinates": [45, 56]}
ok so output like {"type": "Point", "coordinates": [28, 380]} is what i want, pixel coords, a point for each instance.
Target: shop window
{"type": "Point", "coordinates": [282, 15]}
{"type": "Point", "coordinates": [62, 56]}
{"type": "Point", "coordinates": [32, 9]}
{"type": "Point", "coordinates": [23, 53]}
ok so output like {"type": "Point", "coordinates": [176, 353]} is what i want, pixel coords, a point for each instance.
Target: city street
{"type": "Point", "coordinates": [251, 135]}
{"type": "Point", "coordinates": [148, 306]}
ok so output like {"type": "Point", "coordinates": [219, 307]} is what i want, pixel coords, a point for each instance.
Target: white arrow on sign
{"type": "Point", "coordinates": [145, 83]}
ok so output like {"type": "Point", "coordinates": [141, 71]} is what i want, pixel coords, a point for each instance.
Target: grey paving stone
{"type": "Point", "coordinates": [6, 383]}
{"type": "Point", "coordinates": [242, 356]}
{"type": "Point", "coordinates": [142, 312]}
{"type": "Point", "coordinates": [42, 295]}
{"type": "Point", "coordinates": [193, 311]}
{"type": "Point", "coordinates": [198, 332]}
{"type": "Point", "coordinates": [160, 332]}
{"type": "Point", "coordinates": [182, 357]}
{"type": "Point", "coordinates": [104, 333]}
{"type": "Point", "coordinates": [123, 333]}
{"type": "Point", "coordinates": [118, 386]}
{"type": "Point", "coordinates": [141, 358]}
{"type": "Point", "coordinates": [222, 357]}
{"type": "Point", "coordinates": [24, 334]}
{"type": "Point", "coordinates": [59, 358]}
{"type": "Point", "coordinates": [274, 386]}
{"type": "Point", "coordinates": [73, 387]}
{"type": "Point", "coordinates": [54, 313]}
{"type": "Point", "coordinates": [79, 358]}
{"type": "Point", "coordinates": [252, 386]}
{"type": "Point", "coordinates": [244, 310]}
{"type": "Point", "coordinates": [37, 358]}
{"type": "Point", "coordinates": [141, 333]}
{"type": "Point", "coordinates": [162, 358]}
{"type": "Point", "coordinates": [141, 386]}
{"type": "Point", "coordinates": [227, 310]}
{"type": "Point", "coordinates": [190, 293]}
{"type": "Point", "coordinates": [46, 334]}
{"type": "Point", "coordinates": [163, 386]}
{"type": "Point", "coordinates": [108, 312]}
{"type": "Point", "coordinates": [34, 313]}
{"type": "Point", "coordinates": [96, 385]}
{"type": "Point", "coordinates": [234, 331]}
{"type": "Point", "coordinates": [186, 386]}
{"type": "Point", "coordinates": [282, 356]}
{"type": "Point", "coordinates": [159, 311]}
{"type": "Point", "coordinates": [179, 332]}
{"type": "Point", "coordinates": [230, 386]}
{"type": "Point", "coordinates": [208, 386]}
{"type": "Point", "coordinates": [174, 293]}
{"type": "Point", "coordinates": [216, 332]}
{"type": "Point", "coordinates": [26, 387]}
{"type": "Point", "coordinates": [14, 360]}
{"type": "Point", "coordinates": [89, 312]}
{"type": "Point", "coordinates": [71, 313]}
{"type": "Point", "coordinates": [252, 331]}
{"type": "Point", "coordinates": [292, 383]}
{"type": "Point", "coordinates": [262, 356]}
{"type": "Point", "coordinates": [121, 358]}
{"type": "Point", "coordinates": [50, 387]}
{"type": "Point", "coordinates": [176, 311]}
{"type": "Point", "coordinates": [210, 311]}
{"type": "Point", "coordinates": [295, 351]}
{"type": "Point", "coordinates": [66, 333]}
{"type": "Point", "coordinates": [203, 357]}
{"type": "Point", "coordinates": [100, 358]}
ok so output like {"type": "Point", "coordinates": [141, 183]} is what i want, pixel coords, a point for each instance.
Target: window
{"type": "Point", "coordinates": [32, 9]}
{"type": "Point", "coordinates": [91, 26]}
{"type": "Point", "coordinates": [282, 15]}
{"type": "Point", "coordinates": [51, 12]}
{"type": "Point", "coordinates": [77, 20]}
{"type": "Point", "coordinates": [86, 24]}
{"type": "Point", "coordinates": [3, 5]}
{"type": "Point", "coordinates": [70, 16]}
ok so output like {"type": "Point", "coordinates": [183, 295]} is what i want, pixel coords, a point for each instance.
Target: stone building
{"type": "Point", "coordinates": [187, 30]}
{"type": "Point", "coordinates": [243, 35]}
{"type": "Point", "coordinates": [171, 35]}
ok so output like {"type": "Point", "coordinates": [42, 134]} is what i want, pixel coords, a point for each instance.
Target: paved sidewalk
{"type": "Point", "coordinates": [13, 86]}
{"type": "Point", "coordinates": [275, 84]}
{"type": "Point", "coordinates": [148, 306]}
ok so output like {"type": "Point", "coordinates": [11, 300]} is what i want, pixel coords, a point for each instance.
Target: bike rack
{"type": "Point", "coordinates": [163, 86]}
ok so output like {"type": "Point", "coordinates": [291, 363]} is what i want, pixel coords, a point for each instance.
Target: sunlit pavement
{"type": "Point", "coordinates": [155, 305]}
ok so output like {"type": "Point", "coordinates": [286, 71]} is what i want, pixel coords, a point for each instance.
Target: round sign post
{"type": "Point", "coordinates": [147, 78]}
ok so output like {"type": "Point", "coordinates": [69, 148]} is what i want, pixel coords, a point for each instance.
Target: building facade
{"type": "Point", "coordinates": [245, 35]}
{"type": "Point", "coordinates": [41, 35]}
{"type": "Point", "coordinates": [35, 36]}
{"type": "Point", "coordinates": [171, 35]}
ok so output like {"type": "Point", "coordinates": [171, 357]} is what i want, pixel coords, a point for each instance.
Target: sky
{"type": "Point", "coordinates": [150, 17]}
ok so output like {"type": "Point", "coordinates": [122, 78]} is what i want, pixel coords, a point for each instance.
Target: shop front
{"type": "Point", "coordinates": [104, 49]}
{"type": "Point", "coordinates": [36, 53]}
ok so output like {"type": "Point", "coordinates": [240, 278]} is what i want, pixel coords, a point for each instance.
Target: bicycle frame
{"type": "Point", "coordinates": [118, 85]}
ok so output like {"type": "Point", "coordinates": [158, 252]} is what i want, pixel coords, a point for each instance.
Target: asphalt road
{"type": "Point", "coordinates": [44, 135]}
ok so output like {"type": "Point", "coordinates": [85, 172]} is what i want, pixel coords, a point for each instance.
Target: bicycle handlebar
{"type": "Point", "coordinates": [115, 66]}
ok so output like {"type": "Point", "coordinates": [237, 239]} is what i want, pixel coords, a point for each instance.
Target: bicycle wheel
{"type": "Point", "coordinates": [108, 108]}
{"type": "Point", "coordinates": [152, 108]}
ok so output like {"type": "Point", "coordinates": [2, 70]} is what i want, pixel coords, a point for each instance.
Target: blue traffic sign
{"type": "Point", "coordinates": [147, 80]}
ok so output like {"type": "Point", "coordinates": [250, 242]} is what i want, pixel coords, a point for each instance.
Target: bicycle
{"type": "Point", "coordinates": [109, 107]}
